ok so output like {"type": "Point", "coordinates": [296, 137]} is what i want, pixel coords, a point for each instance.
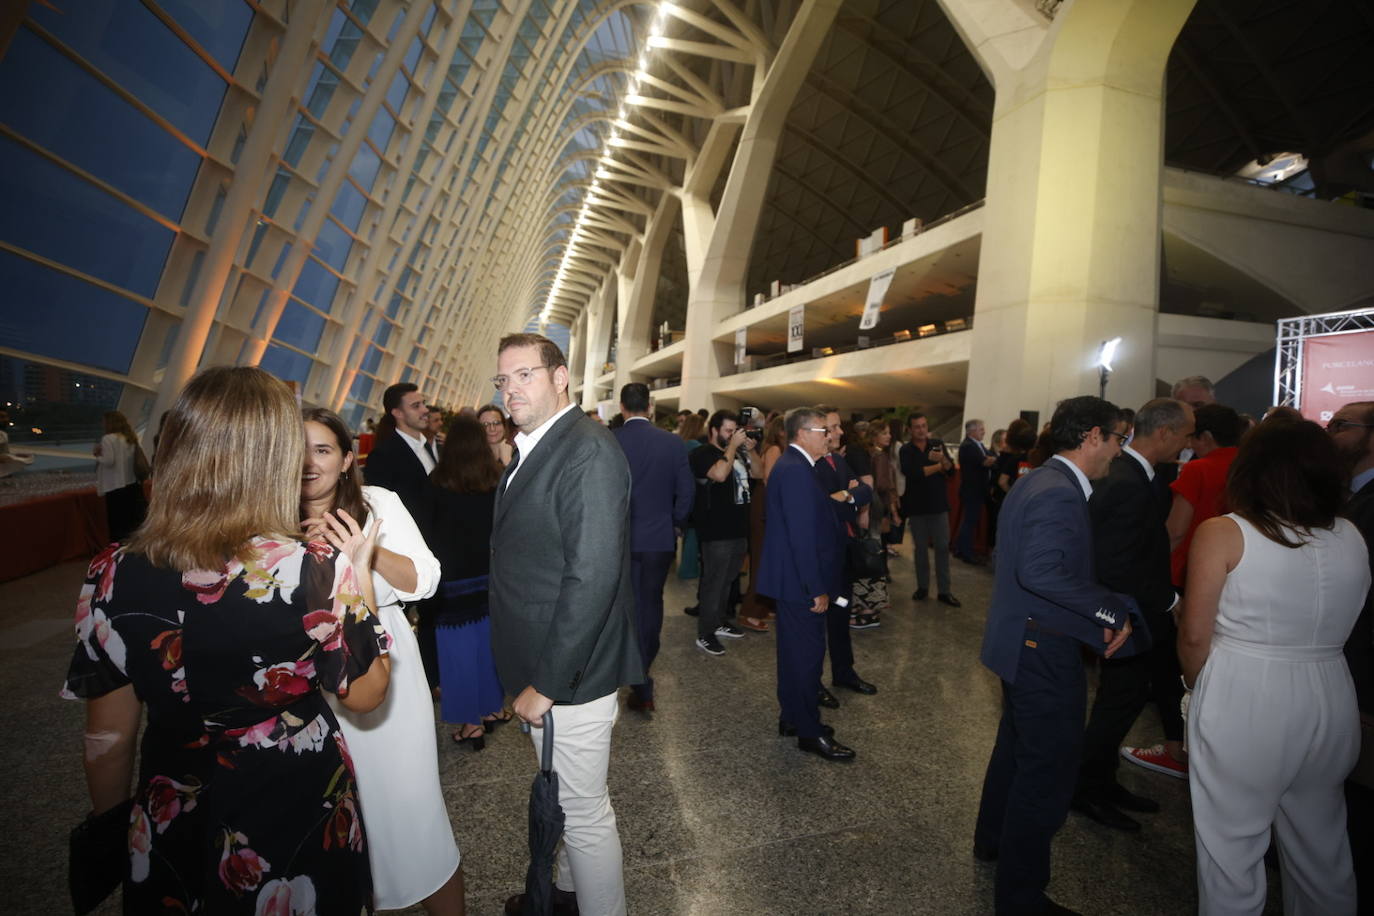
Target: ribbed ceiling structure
{"type": "Point", "coordinates": [357, 192]}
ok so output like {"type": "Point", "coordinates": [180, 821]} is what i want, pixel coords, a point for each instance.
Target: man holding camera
{"type": "Point", "coordinates": [925, 504]}
{"type": "Point", "coordinates": [721, 516]}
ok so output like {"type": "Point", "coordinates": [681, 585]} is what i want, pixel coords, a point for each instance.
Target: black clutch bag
{"type": "Point", "coordinates": [98, 859]}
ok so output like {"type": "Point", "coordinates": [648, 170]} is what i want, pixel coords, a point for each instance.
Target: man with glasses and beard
{"type": "Point", "coordinates": [562, 604]}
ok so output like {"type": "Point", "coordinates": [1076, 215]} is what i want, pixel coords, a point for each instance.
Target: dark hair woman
{"type": "Point", "coordinates": [1274, 589]}
{"type": "Point", "coordinates": [394, 755]}
{"type": "Point", "coordinates": [463, 494]}
{"type": "Point", "coordinates": [496, 428]}
{"type": "Point", "coordinates": [116, 455]}
{"type": "Point", "coordinates": [227, 625]}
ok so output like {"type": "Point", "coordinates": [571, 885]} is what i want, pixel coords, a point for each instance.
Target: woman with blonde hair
{"type": "Point", "coordinates": [411, 850]}
{"type": "Point", "coordinates": [227, 625]}
{"type": "Point", "coordinates": [116, 478]}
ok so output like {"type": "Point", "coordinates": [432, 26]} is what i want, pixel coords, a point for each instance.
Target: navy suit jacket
{"type": "Point", "coordinates": [801, 542]}
{"type": "Point", "coordinates": [837, 478]}
{"type": "Point", "coordinates": [392, 466]}
{"type": "Point", "coordinates": [973, 477]}
{"type": "Point", "coordinates": [1045, 571]}
{"type": "Point", "coordinates": [661, 485]}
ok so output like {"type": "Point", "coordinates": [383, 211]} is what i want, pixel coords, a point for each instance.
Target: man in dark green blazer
{"type": "Point", "coordinates": [562, 602]}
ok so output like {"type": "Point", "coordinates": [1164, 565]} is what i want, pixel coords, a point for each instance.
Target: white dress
{"type": "Point", "coordinates": [1273, 730]}
{"type": "Point", "coordinates": [409, 841]}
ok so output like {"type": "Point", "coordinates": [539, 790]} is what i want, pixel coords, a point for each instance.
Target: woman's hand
{"type": "Point", "coordinates": [343, 531]}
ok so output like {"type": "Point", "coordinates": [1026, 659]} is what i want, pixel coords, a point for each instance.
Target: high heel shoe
{"type": "Point", "coordinates": [478, 741]}
{"type": "Point", "coordinates": [500, 719]}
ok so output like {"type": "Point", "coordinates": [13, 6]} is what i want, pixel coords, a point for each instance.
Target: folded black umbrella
{"type": "Point", "coordinates": [546, 828]}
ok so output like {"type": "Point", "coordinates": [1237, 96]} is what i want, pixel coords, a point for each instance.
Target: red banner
{"type": "Point", "coordinates": [1336, 369]}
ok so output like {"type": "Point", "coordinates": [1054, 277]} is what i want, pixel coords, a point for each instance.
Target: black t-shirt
{"type": "Point", "coordinates": [1008, 463]}
{"type": "Point", "coordinates": [925, 494]}
{"type": "Point", "coordinates": [722, 509]}
{"type": "Point", "coordinates": [859, 461]}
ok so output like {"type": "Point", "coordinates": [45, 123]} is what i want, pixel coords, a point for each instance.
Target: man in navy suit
{"type": "Point", "coordinates": [975, 464]}
{"type": "Point", "coordinates": [1046, 605]}
{"type": "Point", "coordinates": [661, 491]}
{"type": "Point", "coordinates": [401, 462]}
{"type": "Point", "coordinates": [800, 568]}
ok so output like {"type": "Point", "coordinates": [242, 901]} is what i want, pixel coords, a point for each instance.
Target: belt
{"type": "Point", "coordinates": [1277, 653]}
{"type": "Point", "coordinates": [1033, 624]}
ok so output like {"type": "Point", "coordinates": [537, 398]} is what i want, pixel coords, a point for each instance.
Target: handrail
{"type": "Point", "coordinates": [784, 358]}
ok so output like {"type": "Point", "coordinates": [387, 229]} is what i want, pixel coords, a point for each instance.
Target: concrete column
{"type": "Point", "coordinates": [1070, 253]}
{"type": "Point", "coordinates": [719, 244]}
{"type": "Point", "coordinates": [600, 317]}
{"type": "Point", "coordinates": [636, 303]}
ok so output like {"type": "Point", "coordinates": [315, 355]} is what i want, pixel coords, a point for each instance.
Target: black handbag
{"type": "Point", "coordinates": [867, 558]}
{"type": "Point", "coordinates": [98, 857]}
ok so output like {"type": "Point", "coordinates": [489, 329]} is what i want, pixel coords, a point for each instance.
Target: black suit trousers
{"type": "Point", "coordinates": [648, 572]}
{"type": "Point", "coordinates": [838, 636]}
{"type": "Point", "coordinates": [1030, 777]}
{"type": "Point", "coordinates": [1123, 688]}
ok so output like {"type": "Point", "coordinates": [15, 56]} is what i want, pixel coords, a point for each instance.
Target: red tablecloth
{"type": "Point", "coordinates": [45, 531]}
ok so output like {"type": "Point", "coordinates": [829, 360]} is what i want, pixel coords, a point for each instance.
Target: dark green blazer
{"type": "Point", "coordinates": [562, 603]}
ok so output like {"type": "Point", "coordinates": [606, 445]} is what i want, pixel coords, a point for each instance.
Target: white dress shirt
{"type": "Point", "coordinates": [1149, 468]}
{"type": "Point", "coordinates": [807, 455]}
{"type": "Point", "coordinates": [418, 447]}
{"type": "Point", "coordinates": [525, 442]}
{"type": "Point", "coordinates": [1082, 478]}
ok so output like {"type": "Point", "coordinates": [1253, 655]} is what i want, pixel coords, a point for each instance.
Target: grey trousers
{"type": "Point", "coordinates": [720, 563]}
{"type": "Point", "coordinates": [931, 528]}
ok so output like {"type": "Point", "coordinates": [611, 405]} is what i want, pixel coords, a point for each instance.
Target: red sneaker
{"type": "Point", "coordinates": [1156, 758]}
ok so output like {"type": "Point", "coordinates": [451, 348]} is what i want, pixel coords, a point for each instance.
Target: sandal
{"type": "Point", "coordinates": [478, 740]}
{"type": "Point", "coordinates": [753, 623]}
{"type": "Point", "coordinates": [500, 718]}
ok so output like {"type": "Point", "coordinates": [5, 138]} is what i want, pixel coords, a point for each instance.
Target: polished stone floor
{"type": "Point", "coordinates": [717, 814]}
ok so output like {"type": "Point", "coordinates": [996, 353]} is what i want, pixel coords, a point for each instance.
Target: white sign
{"type": "Point", "coordinates": [741, 344]}
{"type": "Point", "coordinates": [877, 289]}
{"type": "Point", "coordinates": [796, 323]}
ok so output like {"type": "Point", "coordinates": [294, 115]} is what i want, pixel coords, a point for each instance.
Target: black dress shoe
{"type": "Point", "coordinates": [564, 903]}
{"type": "Point", "coordinates": [827, 699]}
{"type": "Point", "coordinates": [826, 747]}
{"type": "Point", "coordinates": [634, 702]}
{"type": "Point", "coordinates": [920, 594]}
{"type": "Point", "coordinates": [858, 685]}
{"type": "Point", "coordinates": [1127, 800]}
{"type": "Point", "coordinates": [788, 730]}
{"type": "Point", "coordinates": [693, 611]}
{"type": "Point", "coordinates": [984, 853]}
{"type": "Point", "coordinates": [949, 599]}
{"type": "Point", "coordinates": [1053, 909]}
{"type": "Point", "coordinates": [1105, 814]}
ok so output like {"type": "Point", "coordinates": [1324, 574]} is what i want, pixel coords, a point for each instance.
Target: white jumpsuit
{"type": "Point", "coordinates": [1274, 730]}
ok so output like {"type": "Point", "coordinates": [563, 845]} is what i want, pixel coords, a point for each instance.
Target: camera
{"type": "Point", "coordinates": [746, 419]}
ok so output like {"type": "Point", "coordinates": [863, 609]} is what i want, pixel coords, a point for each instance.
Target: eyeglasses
{"type": "Point", "coordinates": [814, 429]}
{"type": "Point", "coordinates": [1121, 437]}
{"type": "Point", "coordinates": [521, 377]}
{"type": "Point", "coordinates": [1336, 426]}
{"type": "Point", "coordinates": [492, 423]}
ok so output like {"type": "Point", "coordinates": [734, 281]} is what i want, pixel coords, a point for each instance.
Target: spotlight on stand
{"type": "Point", "coordinates": [1105, 354]}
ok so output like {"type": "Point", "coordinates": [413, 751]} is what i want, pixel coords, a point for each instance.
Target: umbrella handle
{"type": "Point", "coordinates": [546, 759]}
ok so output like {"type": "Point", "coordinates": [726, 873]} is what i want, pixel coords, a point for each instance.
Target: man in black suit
{"type": "Point", "coordinates": [661, 493]}
{"type": "Point", "coordinates": [562, 603]}
{"type": "Point", "coordinates": [1352, 428]}
{"type": "Point", "coordinates": [1047, 604]}
{"type": "Point", "coordinates": [847, 496]}
{"type": "Point", "coordinates": [401, 462]}
{"type": "Point", "coordinates": [975, 463]}
{"type": "Point", "coordinates": [801, 570]}
{"type": "Point", "coordinates": [1131, 549]}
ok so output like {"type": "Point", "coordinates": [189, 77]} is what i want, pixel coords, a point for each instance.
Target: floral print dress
{"type": "Point", "coordinates": [246, 801]}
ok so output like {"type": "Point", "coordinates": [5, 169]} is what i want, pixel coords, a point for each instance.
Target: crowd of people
{"type": "Point", "coordinates": [289, 611]}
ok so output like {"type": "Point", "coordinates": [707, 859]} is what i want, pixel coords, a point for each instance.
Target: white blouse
{"type": "Point", "coordinates": [400, 535]}
{"type": "Point", "coordinates": [114, 467]}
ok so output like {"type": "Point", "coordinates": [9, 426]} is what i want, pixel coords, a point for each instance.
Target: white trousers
{"type": "Point", "coordinates": [1270, 742]}
{"type": "Point", "coordinates": [589, 861]}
